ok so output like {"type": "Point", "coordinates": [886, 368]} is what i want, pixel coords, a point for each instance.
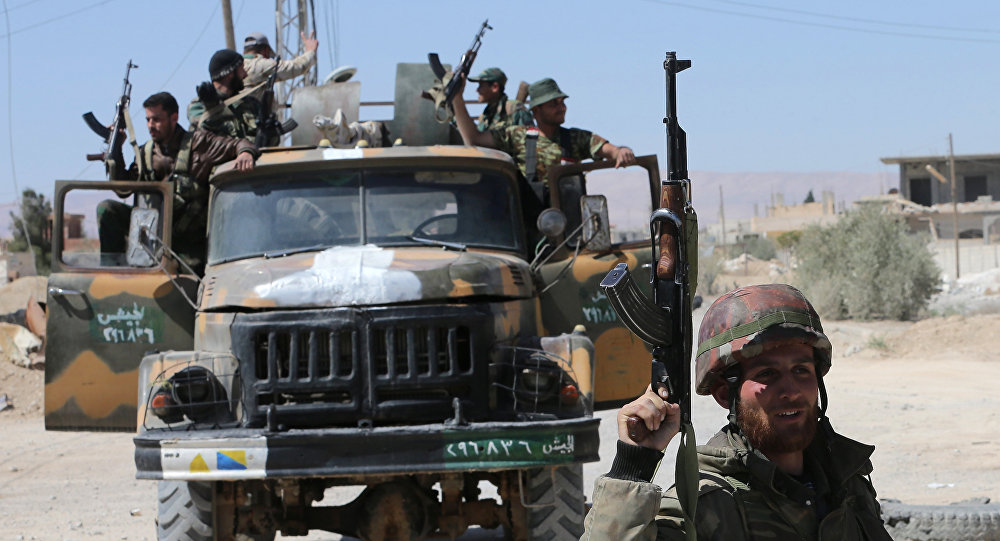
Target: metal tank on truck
{"type": "Point", "coordinates": [385, 318]}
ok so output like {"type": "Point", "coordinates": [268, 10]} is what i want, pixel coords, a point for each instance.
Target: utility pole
{"type": "Point", "coordinates": [954, 194]}
{"type": "Point", "coordinates": [954, 199]}
{"type": "Point", "coordinates": [227, 22]}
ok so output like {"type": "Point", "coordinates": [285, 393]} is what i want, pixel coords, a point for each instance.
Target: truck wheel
{"type": "Point", "coordinates": [956, 522]}
{"type": "Point", "coordinates": [554, 500]}
{"type": "Point", "coordinates": [185, 512]}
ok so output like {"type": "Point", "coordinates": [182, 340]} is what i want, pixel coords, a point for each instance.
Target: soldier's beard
{"type": "Point", "coordinates": [763, 435]}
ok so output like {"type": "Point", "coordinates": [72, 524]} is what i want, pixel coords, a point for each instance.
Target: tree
{"type": "Point", "coordinates": [866, 266]}
{"type": "Point", "coordinates": [34, 217]}
{"type": "Point", "coordinates": [810, 198]}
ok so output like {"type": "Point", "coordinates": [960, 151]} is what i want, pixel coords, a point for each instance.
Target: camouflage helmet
{"type": "Point", "coordinates": [751, 320]}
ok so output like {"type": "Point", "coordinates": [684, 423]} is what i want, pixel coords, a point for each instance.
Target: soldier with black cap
{"type": "Point", "coordinates": [259, 59]}
{"type": "Point", "coordinates": [222, 107]}
{"type": "Point", "coordinates": [499, 112]}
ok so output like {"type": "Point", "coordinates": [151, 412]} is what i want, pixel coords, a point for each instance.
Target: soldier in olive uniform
{"type": "Point", "coordinates": [186, 158]}
{"type": "Point", "coordinates": [552, 142]}
{"type": "Point", "coordinates": [221, 106]}
{"type": "Point", "coordinates": [500, 112]}
{"type": "Point", "coordinates": [777, 470]}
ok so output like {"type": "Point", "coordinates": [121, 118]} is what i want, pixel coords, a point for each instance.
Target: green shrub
{"type": "Point", "coordinates": [866, 266]}
{"type": "Point", "coordinates": [760, 247]}
{"type": "Point", "coordinates": [788, 240]}
{"type": "Point", "coordinates": [709, 267]}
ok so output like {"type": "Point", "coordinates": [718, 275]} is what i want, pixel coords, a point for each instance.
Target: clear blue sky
{"type": "Point", "coordinates": [777, 85]}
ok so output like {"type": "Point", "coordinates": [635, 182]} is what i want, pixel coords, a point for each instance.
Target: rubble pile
{"type": "Point", "coordinates": [971, 294]}
{"type": "Point", "coordinates": [22, 322]}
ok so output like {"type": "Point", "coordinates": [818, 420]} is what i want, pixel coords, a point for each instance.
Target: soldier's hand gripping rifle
{"type": "Point", "coordinates": [665, 321]}
{"type": "Point", "coordinates": [450, 81]}
{"type": "Point", "coordinates": [268, 126]}
{"type": "Point", "coordinates": [114, 136]}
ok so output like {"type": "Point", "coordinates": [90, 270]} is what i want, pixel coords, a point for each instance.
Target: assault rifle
{"type": "Point", "coordinates": [450, 82]}
{"type": "Point", "coordinates": [665, 321]}
{"type": "Point", "coordinates": [268, 126]}
{"type": "Point", "coordinates": [114, 136]}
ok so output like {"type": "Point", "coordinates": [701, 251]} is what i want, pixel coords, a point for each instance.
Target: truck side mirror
{"type": "Point", "coordinates": [596, 226]}
{"type": "Point", "coordinates": [142, 241]}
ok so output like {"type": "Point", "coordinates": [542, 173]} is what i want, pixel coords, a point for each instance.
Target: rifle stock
{"type": "Point", "coordinates": [449, 82]}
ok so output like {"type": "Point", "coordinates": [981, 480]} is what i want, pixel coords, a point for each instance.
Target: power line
{"type": "Point", "coordinates": [208, 22]}
{"type": "Point", "coordinates": [822, 25]}
{"type": "Point", "coordinates": [23, 4]}
{"type": "Point", "coordinates": [861, 19]}
{"type": "Point", "coordinates": [53, 19]}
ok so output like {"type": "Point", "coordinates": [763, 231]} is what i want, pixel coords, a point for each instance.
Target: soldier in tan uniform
{"type": "Point", "coordinates": [259, 59]}
{"type": "Point", "coordinates": [777, 470]}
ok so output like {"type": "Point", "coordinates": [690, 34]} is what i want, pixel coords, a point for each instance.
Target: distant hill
{"type": "Point", "coordinates": [742, 191]}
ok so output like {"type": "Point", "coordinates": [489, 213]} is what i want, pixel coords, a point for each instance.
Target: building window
{"type": "Point", "coordinates": [975, 187]}
{"type": "Point", "coordinates": [920, 191]}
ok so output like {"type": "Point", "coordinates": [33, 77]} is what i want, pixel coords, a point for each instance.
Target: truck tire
{"type": "Point", "coordinates": [958, 522]}
{"type": "Point", "coordinates": [555, 503]}
{"type": "Point", "coordinates": [185, 512]}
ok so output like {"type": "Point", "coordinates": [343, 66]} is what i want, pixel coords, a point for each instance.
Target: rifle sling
{"type": "Point", "coordinates": [209, 113]}
{"type": "Point", "coordinates": [131, 139]}
{"type": "Point", "coordinates": [747, 329]}
{"type": "Point", "coordinates": [687, 478]}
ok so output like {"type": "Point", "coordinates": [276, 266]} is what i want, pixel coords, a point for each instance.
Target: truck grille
{"type": "Point", "coordinates": [343, 367]}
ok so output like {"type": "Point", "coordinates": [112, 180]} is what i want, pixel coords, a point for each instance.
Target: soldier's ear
{"type": "Point", "coordinates": [173, 118]}
{"type": "Point", "coordinates": [721, 395]}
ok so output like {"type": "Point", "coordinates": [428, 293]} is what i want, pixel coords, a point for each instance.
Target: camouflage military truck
{"type": "Point", "coordinates": [385, 319]}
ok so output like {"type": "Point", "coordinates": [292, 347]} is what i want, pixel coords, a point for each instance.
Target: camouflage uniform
{"type": "Point", "coordinates": [743, 495]}
{"type": "Point", "coordinates": [236, 120]}
{"type": "Point", "coordinates": [504, 113]}
{"type": "Point", "coordinates": [204, 150]}
{"type": "Point", "coordinates": [572, 145]}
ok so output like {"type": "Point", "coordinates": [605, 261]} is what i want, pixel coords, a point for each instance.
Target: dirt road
{"type": "Point", "coordinates": [924, 393]}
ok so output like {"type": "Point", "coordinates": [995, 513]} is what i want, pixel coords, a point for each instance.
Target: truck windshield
{"type": "Point", "coordinates": [321, 209]}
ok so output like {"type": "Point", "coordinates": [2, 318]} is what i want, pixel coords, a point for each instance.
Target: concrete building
{"type": "Point", "coordinates": [976, 176]}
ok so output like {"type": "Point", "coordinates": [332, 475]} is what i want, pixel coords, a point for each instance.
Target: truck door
{"type": "Point", "coordinates": [106, 309]}
{"type": "Point", "coordinates": [621, 360]}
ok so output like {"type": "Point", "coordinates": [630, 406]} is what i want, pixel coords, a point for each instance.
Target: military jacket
{"type": "Point", "coordinates": [571, 145]}
{"type": "Point", "coordinates": [504, 113]}
{"type": "Point", "coordinates": [238, 119]}
{"type": "Point", "coordinates": [205, 150]}
{"type": "Point", "coordinates": [743, 496]}
{"type": "Point", "coordinates": [259, 68]}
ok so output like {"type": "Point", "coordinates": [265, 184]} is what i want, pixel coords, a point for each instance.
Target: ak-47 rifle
{"type": "Point", "coordinates": [451, 81]}
{"type": "Point", "coordinates": [268, 126]}
{"type": "Point", "coordinates": [114, 136]}
{"type": "Point", "coordinates": [665, 321]}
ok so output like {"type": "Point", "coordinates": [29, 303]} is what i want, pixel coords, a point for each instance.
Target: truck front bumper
{"type": "Point", "coordinates": [233, 454]}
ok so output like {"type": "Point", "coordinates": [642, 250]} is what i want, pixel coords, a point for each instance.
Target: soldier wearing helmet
{"type": "Point", "coordinates": [777, 470]}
